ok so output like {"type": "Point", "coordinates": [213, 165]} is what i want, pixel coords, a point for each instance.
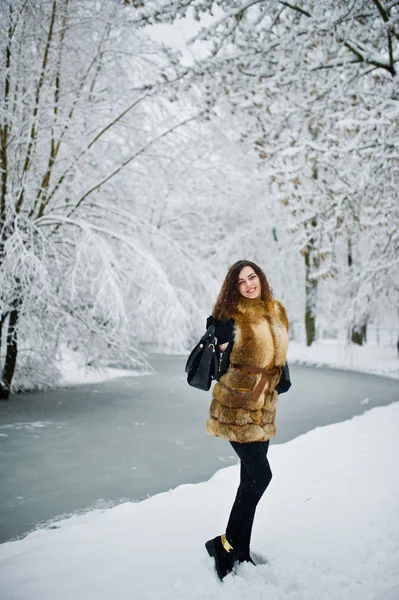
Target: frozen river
{"type": "Point", "coordinates": [96, 445]}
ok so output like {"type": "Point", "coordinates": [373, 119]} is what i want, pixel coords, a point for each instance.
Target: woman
{"type": "Point", "coordinates": [252, 328]}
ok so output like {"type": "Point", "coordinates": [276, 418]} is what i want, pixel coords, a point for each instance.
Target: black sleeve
{"type": "Point", "coordinates": [223, 329]}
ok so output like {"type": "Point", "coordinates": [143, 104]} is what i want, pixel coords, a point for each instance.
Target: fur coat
{"type": "Point", "coordinates": [260, 340]}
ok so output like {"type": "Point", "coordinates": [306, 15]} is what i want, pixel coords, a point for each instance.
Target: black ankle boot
{"type": "Point", "coordinates": [223, 554]}
{"type": "Point", "coordinates": [245, 557]}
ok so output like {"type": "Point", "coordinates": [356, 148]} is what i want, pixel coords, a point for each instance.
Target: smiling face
{"type": "Point", "coordinates": [248, 283]}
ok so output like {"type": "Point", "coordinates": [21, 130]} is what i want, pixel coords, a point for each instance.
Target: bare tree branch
{"type": "Point", "coordinates": [382, 10]}
{"type": "Point", "coordinates": [129, 160]}
{"type": "Point", "coordinates": [93, 141]}
{"type": "Point", "coordinates": [32, 137]}
{"type": "Point", "coordinates": [297, 8]}
{"type": "Point", "coordinates": [54, 145]}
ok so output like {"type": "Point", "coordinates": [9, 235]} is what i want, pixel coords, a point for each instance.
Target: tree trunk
{"type": "Point", "coordinates": [311, 291]}
{"type": "Point", "coordinates": [359, 335]}
{"type": "Point", "coordinates": [10, 359]}
{"type": "Point", "coordinates": [2, 321]}
{"type": "Point", "coordinates": [397, 343]}
{"type": "Point", "coordinates": [3, 317]}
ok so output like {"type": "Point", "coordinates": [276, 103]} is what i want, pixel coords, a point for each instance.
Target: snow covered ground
{"type": "Point", "coordinates": [327, 528]}
{"type": "Point", "coordinates": [73, 373]}
{"type": "Point", "coordinates": [371, 358]}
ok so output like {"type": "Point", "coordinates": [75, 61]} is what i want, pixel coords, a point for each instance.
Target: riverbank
{"type": "Point", "coordinates": [371, 358]}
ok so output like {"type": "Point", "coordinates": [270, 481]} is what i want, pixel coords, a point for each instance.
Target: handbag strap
{"type": "Point", "coordinates": [209, 335]}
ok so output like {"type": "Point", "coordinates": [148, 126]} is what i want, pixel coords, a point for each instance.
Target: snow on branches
{"type": "Point", "coordinates": [80, 108]}
{"type": "Point", "coordinates": [315, 85]}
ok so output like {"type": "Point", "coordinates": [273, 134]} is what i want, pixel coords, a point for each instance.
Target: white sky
{"type": "Point", "coordinates": [179, 33]}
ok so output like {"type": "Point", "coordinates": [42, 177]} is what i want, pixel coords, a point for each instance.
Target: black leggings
{"type": "Point", "coordinates": [254, 478]}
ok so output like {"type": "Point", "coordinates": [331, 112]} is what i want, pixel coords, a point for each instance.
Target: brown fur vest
{"type": "Point", "coordinates": [260, 340]}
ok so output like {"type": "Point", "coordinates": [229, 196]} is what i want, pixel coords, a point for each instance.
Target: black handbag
{"type": "Point", "coordinates": [203, 363]}
{"type": "Point", "coordinates": [224, 361]}
{"type": "Point", "coordinates": [285, 381]}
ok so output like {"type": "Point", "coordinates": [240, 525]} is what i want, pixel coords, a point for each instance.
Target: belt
{"type": "Point", "coordinates": [263, 380]}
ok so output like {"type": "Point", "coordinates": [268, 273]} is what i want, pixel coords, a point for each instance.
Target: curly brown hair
{"type": "Point", "coordinates": [229, 295]}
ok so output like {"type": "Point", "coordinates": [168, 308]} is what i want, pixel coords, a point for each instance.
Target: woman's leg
{"type": "Point", "coordinates": [255, 477]}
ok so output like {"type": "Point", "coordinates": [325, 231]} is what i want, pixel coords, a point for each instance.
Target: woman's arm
{"type": "Point", "coordinates": [222, 331]}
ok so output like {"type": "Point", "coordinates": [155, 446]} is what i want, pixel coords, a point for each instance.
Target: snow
{"type": "Point", "coordinates": [73, 373]}
{"type": "Point", "coordinates": [327, 528]}
{"type": "Point", "coordinates": [371, 358]}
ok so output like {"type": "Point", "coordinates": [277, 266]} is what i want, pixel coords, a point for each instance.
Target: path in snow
{"type": "Point", "coordinates": [95, 445]}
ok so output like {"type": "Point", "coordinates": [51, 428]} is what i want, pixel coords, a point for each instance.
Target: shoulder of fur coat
{"type": "Point", "coordinates": [274, 308]}
{"type": "Point", "coordinates": [281, 313]}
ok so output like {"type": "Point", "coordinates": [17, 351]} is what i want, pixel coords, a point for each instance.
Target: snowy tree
{"type": "Point", "coordinates": [78, 90]}
{"type": "Point", "coordinates": [129, 181]}
{"type": "Point", "coordinates": [317, 83]}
